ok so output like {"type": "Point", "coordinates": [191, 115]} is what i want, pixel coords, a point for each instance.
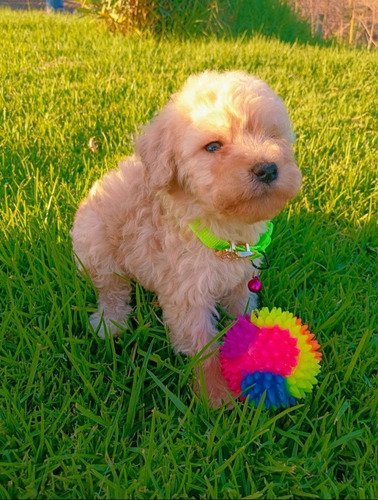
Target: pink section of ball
{"type": "Point", "coordinates": [271, 350]}
{"type": "Point", "coordinates": [254, 285]}
{"type": "Point", "coordinates": [274, 350]}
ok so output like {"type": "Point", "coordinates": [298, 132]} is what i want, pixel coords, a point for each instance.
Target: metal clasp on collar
{"type": "Point", "coordinates": [232, 254]}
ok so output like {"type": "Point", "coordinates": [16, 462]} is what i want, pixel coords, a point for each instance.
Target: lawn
{"type": "Point", "coordinates": [86, 418]}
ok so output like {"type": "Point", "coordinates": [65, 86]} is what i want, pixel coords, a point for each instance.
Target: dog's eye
{"type": "Point", "coordinates": [213, 146]}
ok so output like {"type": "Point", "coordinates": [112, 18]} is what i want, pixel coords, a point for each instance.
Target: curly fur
{"type": "Point", "coordinates": [134, 222]}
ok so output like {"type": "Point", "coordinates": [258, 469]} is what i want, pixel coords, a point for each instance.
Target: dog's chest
{"type": "Point", "coordinates": [228, 275]}
{"type": "Point", "coordinates": [216, 276]}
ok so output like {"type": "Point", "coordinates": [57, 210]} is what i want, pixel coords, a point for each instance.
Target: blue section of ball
{"type": "Point", "coordinates": [254, 384]}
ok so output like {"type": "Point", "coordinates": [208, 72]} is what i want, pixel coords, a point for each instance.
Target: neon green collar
{"type": "Point", "coordinates": [227, 249]}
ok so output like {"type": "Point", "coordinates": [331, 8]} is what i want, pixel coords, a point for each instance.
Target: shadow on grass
{"type": "Point", "coordinates": [272, 18]}
{"type": "Point", "coordinates": [235, 19]}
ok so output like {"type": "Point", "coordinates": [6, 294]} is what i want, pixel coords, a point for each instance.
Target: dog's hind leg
{"type": "Point", "coordinates": [113, 304]}
{"type": "Point", "coordinates": [94, 255]}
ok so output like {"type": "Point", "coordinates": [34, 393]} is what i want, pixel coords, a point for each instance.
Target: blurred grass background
{"type": "Point", "coordinates": [83, 418]}
{"type": "Point", "coordinates": [352, 22]}
{"type": "Point", "coordinates": [193, 18]}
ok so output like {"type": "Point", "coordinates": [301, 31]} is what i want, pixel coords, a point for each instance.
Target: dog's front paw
{"type": "Point", "coordinates": [103, 326]}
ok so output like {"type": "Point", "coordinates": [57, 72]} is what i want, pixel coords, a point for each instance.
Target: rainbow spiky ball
{"type": "Point", "coordinates": [270, 351]}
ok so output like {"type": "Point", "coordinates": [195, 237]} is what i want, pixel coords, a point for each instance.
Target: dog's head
{"type": "Point", "coordinates": [225, 141]}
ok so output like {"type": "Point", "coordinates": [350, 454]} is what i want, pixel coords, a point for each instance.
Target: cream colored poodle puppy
{"type": "Point", "coordinates": [220, 153]}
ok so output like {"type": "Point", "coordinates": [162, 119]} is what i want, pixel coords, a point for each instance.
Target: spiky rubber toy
{"type": "Point", "coordinates": [270, 351]}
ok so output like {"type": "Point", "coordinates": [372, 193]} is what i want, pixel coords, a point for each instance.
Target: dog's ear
{"type": "Point", "coordinates": [156, 148]}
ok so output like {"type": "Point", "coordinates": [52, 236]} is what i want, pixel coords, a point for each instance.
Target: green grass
{"type": "Point", "coordinates": [217, 18]}
{"type": "Point", "coordinates": [82, 418]}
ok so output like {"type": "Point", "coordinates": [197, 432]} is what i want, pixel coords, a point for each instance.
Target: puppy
{"type": "Point", "coordinates": [219, 153]}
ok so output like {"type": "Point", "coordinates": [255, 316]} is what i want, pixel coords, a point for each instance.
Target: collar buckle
{"type": "Point", "coordinates": [232, 254]}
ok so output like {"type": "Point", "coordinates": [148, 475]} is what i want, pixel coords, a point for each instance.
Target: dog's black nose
{"type": "Point", "coordinates": [266, 172]}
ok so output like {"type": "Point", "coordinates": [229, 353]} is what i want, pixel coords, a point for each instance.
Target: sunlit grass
{"type": "Point", "coordinates": [84, 418]}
